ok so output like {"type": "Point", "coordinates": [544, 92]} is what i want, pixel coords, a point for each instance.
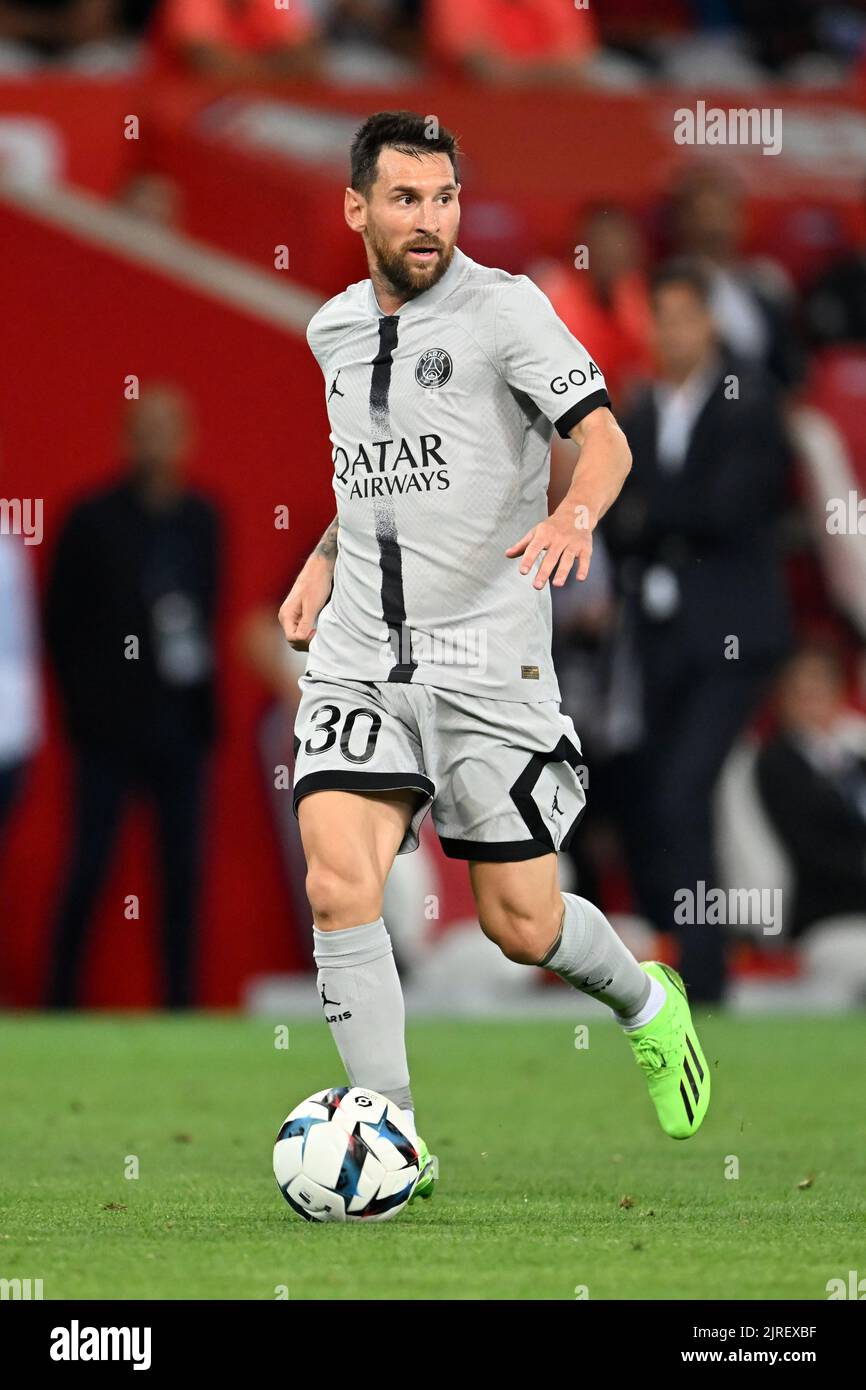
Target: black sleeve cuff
{"type": "Point", "coordinates": [576, 413]}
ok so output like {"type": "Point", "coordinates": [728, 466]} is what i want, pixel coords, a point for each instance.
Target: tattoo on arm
{"type": "Point", "coordinates": [327, 546]}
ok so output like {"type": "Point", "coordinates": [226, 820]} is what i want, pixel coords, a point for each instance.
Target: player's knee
{"type": "Point", "coordinates": [344, 897]}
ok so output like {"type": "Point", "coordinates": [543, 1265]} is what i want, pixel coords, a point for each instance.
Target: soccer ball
{"type": "Point", "coordinates": [343, 1155]}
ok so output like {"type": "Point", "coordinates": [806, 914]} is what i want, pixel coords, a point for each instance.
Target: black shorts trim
{"type": "Point", "coordinates": [494, 851]}
{"type": "Point", "coordinates": [579, 410]}
{"type": "Point", "coordinates": [521, 793]}
{"type": "Point", "coordinates": [360, 782]}
{"type": "Point", "coordinates": [569, 834]}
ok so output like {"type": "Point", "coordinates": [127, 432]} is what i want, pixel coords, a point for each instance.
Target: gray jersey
{"type": "Point", "coordinates": [441, 421]}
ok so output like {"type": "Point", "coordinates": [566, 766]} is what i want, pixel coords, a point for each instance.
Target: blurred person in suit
{"type": "Point", "coordinates": [752, 299]}
{"type": "Point", "coordinates": [835, 307]}
{"type": "Point", "coordinates": [694, 545]}
{"type": "Point", "coordinates": [812, 780]}
{"type": "Point", "coordinates": [129, 624]}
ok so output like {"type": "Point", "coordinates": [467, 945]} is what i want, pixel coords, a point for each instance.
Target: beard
{"type": "Point", "coordinates": [403, 277]}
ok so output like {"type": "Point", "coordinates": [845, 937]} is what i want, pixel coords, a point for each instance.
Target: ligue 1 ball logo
{"type": "Point", "coordinates": [433, 368]}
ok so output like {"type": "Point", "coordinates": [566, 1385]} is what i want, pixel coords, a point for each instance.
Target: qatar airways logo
{"type": "Point", "coordinates": [392, 467]}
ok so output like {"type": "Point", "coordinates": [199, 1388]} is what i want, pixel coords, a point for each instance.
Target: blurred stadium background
{"type": "Point", "coordinates": [170, 217]}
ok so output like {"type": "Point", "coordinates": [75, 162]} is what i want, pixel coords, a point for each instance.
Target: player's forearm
{"type": "Point", "coordinates": [327, 547]}
{"type": "Point", "coordinates": [603, 466]}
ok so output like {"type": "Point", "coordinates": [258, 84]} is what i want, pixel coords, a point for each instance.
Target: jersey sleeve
{"type": "Point", "coordinates": [538, 355]}
{"type": "Point", "coordinates": [315, 339]}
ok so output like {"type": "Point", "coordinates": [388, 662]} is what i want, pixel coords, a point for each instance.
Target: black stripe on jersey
{"type": "Point", "coordinates": [393, 602]}
{"type": "Point", "coordinates": [381, 380]}
{"type": "Point", "coordinates": [390, 557]}
{"type": "Point", "coordinates": [580, 410]}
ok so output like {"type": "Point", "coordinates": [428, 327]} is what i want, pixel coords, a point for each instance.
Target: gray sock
{"type": "Point", "coordinates": [363, 1002]}
{"type": "Point", "coordinates": [590, 956]}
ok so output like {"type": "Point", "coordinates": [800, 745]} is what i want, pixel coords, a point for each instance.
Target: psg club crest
{"type": "Point", "coordinates": [433, 368]}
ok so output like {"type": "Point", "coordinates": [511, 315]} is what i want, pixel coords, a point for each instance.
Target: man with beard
{"type": "Point", "coordinates": [429, 680]}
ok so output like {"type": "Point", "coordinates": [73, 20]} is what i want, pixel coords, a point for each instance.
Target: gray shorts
{"type": "Point", "coordinates": [505, 779]}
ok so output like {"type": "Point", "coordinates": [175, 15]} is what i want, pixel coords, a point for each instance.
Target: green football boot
{"type": "Point", "coordinates": [428, 1165]}
{"type": "Point", "coordinates": [669, 1054]}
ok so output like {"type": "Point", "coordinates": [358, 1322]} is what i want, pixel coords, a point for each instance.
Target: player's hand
{"type": "Point", "coordinates": [303, 604]}
{"type": "Point", "coordinates": [566, 537]}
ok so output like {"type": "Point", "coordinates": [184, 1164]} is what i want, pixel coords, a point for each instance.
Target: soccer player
{"type": "Point", "coordinates": [427, 615]}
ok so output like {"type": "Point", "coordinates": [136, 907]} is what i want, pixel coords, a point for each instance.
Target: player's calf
{"type": "Point", "coordinates": [519, 905]}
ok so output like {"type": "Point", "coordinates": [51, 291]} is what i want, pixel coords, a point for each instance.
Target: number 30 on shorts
{"type": "Point", "coordinates": [325, 720]}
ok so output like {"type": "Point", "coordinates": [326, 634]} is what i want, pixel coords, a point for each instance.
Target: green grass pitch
{"type": "Point", "coordinates": [554, 1173]}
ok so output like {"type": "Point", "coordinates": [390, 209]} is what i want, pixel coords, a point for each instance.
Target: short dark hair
{"type": "Point", "coordinates": [405, 131]}
{"type": "Point", "coordinates": [682, 270]}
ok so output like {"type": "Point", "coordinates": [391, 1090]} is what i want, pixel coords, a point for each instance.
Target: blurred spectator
{"type": "Point", "coordinates": [584, 626]}
{"type": "Point", "coordinates": [370, 41]}
{"type": "Point", "coordinates": [828, 433]}
{"type": "Point", "coordinates": [742, 41]}
{"type": "Point", "coordinates": [752, 301]}
{"type": "Point", "coordinates": [835, 309]}
{"type": "Point", "coordinates": [812, 779]}
{"type": "Point", "coordinates": [605, 304]}
{"type": "Point", "coordinates": [385, 24]}
{"type": "Point", "coordinates": [20, 721]}
{"type": "Point", "coordinates": [635, 24]}
{"type": "Point", "coordinates": [240, 39]}
{"type": "Point", "coordinates": [778, 45]}
{"type": "Point", "coordinates": [511, 41]}
{"type": "Point", "coordinates": [692, 537]}
{"type": "Point", "coordinates": [265, 650]}
{"type": "Point", "coordinates": [82, 34]}
{"type": "Point", "coordinates": [129, 624]}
